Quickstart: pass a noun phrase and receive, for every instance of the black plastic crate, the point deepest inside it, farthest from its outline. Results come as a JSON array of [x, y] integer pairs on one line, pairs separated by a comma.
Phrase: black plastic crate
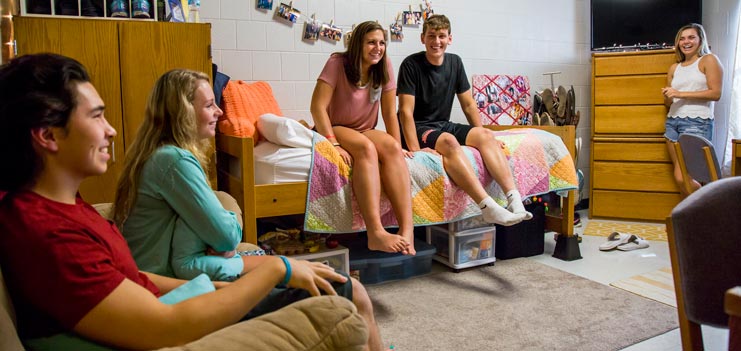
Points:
[[523, 239]]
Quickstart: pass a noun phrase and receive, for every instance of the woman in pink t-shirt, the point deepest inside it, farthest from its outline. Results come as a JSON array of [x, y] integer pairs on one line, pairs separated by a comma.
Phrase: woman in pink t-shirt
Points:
[[344, 106]]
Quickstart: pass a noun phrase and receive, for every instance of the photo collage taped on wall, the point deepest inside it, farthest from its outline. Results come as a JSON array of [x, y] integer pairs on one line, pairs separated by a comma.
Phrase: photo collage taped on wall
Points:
[[288, 12], [265, 4], [314, 29]]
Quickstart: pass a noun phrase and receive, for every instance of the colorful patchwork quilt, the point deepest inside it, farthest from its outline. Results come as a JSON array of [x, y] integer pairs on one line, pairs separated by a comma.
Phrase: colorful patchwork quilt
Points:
[[539, 161], [502, 100]]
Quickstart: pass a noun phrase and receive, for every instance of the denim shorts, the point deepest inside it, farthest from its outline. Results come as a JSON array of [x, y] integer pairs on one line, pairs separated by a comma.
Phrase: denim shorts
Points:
[[691, 125]]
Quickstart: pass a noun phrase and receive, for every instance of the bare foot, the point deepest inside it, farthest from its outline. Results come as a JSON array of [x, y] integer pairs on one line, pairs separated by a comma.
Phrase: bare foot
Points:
[[386, 242], [409, 238]]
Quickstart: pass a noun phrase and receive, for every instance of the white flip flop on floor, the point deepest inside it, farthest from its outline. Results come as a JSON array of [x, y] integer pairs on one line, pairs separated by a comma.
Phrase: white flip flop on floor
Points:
[[614, 240], [635, 243]]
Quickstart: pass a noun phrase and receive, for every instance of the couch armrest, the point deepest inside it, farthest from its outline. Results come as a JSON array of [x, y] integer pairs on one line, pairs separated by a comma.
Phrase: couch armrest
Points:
[[317, 324], [8, 335]]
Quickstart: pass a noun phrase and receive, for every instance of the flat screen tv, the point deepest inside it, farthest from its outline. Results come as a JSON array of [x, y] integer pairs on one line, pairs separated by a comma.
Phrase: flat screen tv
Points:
[[642, 24]]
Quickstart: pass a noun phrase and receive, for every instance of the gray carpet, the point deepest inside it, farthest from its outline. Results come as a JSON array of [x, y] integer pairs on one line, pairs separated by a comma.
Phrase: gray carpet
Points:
[[515, 305]]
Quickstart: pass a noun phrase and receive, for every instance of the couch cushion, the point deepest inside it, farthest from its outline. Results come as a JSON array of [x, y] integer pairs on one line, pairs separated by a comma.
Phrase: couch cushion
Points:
[[317, 323], [243, 104], [105, 210], [230, 204]]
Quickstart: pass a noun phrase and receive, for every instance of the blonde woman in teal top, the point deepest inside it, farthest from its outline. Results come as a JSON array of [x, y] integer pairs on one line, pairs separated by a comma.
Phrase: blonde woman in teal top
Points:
[[174, 197], [165, 207]]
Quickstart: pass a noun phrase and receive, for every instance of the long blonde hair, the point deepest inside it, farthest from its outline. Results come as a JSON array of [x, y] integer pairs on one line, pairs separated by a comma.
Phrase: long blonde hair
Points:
[[704, 47], [170, 119]]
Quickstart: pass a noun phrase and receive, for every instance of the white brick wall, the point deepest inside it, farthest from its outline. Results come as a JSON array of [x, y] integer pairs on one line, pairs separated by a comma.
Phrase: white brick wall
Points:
[[527, 37], [721, 22]]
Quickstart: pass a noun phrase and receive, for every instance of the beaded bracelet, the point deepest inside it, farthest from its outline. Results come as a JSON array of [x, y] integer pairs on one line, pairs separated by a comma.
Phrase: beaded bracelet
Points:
[[330, 136], [287, 278]]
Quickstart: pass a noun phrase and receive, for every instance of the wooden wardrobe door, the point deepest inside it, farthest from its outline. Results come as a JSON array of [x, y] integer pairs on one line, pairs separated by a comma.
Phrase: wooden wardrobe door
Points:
[[95, 44], [148, 50]]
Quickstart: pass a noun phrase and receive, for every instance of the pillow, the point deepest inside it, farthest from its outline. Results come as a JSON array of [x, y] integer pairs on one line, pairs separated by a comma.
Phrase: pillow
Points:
[[284, 131], [196, 286], [314, 323], [243, 103]]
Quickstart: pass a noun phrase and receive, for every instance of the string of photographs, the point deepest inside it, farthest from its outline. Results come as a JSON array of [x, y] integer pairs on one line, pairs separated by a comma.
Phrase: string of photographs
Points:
[[315, 29]]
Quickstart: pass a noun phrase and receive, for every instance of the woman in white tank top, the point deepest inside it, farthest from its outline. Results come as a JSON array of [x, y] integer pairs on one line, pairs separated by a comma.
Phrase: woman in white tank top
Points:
[[694, 83]]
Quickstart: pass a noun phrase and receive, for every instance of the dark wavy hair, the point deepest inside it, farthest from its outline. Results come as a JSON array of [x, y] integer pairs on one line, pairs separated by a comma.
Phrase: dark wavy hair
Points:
[[353, 57], [36, 91]]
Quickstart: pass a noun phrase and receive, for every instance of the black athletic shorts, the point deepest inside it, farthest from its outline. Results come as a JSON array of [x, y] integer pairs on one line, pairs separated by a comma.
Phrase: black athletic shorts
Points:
[[427, 134]]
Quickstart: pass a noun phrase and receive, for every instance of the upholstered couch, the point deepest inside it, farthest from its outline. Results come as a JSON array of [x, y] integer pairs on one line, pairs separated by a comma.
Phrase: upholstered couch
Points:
[[317, 323]]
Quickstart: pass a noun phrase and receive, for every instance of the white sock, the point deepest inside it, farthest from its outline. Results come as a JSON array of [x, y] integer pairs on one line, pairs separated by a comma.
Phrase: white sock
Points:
[[493, 213], [515, 204]]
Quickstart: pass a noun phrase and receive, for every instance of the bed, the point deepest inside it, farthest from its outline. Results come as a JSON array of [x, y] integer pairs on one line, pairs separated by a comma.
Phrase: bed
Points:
[[246, 169], [236, 157]]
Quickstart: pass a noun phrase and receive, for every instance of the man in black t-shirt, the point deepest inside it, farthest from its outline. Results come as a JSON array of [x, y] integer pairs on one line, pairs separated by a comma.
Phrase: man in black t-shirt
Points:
[[427, 83]]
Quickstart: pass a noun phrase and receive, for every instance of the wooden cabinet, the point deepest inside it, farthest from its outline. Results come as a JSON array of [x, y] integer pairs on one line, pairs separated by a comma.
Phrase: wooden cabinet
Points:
[[124, 59], [631, 172]]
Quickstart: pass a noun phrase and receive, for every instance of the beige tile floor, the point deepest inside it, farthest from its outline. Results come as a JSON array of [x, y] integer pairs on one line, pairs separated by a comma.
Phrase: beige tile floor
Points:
[[611, 266]]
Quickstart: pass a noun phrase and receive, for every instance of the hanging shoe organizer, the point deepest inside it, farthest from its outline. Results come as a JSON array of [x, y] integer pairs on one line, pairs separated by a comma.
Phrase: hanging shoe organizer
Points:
[[555, 106], [144, 9]]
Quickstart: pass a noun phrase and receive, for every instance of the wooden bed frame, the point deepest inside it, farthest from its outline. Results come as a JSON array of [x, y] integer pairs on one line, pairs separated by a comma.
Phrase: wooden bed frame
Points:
[[260, 201]]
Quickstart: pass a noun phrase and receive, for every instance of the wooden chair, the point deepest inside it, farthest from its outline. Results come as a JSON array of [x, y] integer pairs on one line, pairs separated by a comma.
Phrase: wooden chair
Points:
[[697, 160], [733, 308], [703, 232]]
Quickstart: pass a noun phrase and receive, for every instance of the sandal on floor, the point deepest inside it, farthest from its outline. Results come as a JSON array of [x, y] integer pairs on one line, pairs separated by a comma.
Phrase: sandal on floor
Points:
[[614, 240], [635, 243]]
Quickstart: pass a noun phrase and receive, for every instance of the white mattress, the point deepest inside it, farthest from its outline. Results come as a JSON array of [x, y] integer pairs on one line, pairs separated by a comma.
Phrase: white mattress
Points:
[[275, 164]]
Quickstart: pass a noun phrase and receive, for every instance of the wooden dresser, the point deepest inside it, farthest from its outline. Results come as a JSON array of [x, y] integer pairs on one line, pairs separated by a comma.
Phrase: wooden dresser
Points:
[[631, 172]]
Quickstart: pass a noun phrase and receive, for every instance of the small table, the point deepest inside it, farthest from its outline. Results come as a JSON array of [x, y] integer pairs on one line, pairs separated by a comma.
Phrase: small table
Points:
[[736, 160]]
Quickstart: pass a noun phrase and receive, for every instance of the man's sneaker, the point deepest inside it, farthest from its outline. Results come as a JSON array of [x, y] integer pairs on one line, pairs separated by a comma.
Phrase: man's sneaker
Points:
[[88, 9], [140, 9], [40, 7], [67, 8], [118, 9]]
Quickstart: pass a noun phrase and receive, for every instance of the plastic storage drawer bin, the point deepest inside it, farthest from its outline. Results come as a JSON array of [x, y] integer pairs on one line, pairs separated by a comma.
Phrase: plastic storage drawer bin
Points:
[[463, 249], [337, 258], [373, 267], [468, 223]]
